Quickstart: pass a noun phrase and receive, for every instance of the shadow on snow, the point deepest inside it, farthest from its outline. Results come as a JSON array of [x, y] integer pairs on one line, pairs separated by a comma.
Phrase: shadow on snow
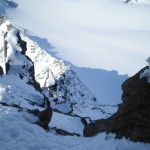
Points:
[[105, 85]]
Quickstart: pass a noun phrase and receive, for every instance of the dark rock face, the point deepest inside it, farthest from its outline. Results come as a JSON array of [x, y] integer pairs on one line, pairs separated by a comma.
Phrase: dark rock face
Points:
[[127, 1], [11, 3], [1, 71], [132, 119], [44, 117], [65, 133]]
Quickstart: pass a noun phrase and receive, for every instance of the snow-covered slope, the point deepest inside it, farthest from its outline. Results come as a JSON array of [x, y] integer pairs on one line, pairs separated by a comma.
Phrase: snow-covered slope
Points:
[[32, 81], [32, 78], [24, 55], [96, 36], [16, 132], [90, 33]]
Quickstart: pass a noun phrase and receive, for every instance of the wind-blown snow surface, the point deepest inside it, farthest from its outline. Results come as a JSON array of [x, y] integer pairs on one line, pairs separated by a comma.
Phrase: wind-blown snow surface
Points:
[[106, 34], [92, 35], [18, 133]]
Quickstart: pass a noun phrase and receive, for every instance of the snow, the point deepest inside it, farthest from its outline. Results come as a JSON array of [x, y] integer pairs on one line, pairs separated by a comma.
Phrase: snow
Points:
[[67, 123], [3, 29], [13, 90], [146, 72], [148, 60], [94, 112], [105, 85], [63, 107], [16, 132], [97, 37], [47, 68], [90, 33], [94, 35]]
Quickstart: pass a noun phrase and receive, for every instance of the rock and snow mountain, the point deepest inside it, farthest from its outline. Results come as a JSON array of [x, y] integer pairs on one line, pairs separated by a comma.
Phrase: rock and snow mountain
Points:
[[32, 79], [32, 84], [99, 38], [132, 120]]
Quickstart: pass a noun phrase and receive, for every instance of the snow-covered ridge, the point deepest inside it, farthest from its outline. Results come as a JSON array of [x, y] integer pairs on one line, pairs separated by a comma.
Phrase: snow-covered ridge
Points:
[[47, 68], [32, 79], [48, 71]]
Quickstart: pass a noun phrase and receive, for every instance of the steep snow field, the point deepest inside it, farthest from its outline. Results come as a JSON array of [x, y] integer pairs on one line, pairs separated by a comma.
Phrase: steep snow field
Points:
[[96, 36], [105, 34]]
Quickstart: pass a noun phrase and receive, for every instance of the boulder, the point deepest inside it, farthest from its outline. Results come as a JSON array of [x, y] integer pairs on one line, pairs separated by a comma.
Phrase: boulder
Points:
[[44, 117]]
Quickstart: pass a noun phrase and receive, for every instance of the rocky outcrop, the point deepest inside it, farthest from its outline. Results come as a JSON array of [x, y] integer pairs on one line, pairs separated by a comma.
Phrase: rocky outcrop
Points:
[[132, 119], [1, 71], [44, 117], [127, 1], [65, 133]]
